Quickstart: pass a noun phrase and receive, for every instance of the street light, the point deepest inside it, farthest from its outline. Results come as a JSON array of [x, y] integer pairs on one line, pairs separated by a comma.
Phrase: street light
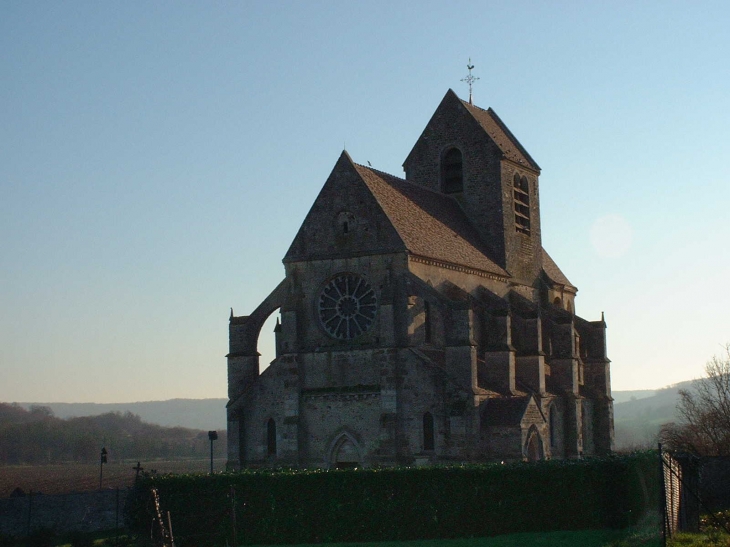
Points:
[[212, 435], [102, 461]]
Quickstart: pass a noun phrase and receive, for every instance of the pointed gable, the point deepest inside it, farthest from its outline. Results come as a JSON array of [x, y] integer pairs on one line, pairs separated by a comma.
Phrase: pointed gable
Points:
[[345, 220], [387, 215], [486, 120]]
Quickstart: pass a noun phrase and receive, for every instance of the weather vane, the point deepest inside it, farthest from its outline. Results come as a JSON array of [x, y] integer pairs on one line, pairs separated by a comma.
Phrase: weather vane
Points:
[[470, 79]]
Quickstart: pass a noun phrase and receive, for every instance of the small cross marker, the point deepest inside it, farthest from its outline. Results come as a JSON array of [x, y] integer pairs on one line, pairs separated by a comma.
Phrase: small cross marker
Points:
[[137, 468]]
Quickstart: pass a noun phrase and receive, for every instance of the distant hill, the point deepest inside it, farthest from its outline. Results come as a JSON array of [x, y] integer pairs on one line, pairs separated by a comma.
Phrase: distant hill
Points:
[[637, 421], [623, 396], [638, 414], [37, 436], [205, 414]]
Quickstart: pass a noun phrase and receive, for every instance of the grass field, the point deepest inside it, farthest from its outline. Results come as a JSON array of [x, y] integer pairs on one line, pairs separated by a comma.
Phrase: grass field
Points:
[[80, 477], [585, 538]]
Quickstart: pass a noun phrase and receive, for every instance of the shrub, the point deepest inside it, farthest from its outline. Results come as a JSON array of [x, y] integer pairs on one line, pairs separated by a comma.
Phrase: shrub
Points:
[[42, 537], [308, 506], [80, 539]]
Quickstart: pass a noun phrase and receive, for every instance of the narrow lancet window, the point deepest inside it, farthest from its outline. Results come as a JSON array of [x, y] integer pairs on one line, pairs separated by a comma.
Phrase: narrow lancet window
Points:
[[427, 322], [452, 171], [522, 204], [428, 438], [271, 437]]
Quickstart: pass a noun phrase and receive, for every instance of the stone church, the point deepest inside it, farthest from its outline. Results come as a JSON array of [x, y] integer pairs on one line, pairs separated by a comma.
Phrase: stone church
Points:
[[422, 321]]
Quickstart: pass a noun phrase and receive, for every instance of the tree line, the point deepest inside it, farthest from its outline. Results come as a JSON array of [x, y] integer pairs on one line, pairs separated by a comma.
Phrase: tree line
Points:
[[36, 436], [703, 428]]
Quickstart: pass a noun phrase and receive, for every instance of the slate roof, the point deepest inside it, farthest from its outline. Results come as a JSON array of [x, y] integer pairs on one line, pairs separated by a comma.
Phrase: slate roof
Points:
[[504, 411], [553, 272], [501, 135], [430, 224]]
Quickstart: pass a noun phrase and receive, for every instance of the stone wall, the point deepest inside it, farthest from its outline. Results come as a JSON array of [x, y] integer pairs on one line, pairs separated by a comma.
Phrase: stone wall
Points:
[[80, 511]]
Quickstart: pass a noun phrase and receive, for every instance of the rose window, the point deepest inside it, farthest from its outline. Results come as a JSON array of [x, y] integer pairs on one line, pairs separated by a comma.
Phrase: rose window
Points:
[[347, 306]]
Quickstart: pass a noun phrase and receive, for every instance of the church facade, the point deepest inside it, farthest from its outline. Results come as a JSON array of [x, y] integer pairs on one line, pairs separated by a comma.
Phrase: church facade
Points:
[[422, 321]]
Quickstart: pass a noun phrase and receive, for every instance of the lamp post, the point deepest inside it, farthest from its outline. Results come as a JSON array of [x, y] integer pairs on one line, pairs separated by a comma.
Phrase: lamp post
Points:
[[102, 461], [212, 435]]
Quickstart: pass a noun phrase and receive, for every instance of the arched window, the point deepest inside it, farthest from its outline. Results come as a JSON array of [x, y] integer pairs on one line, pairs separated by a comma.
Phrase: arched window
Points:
[[522, 204], [558, 302], [452, 171], [271, 437], [428, 438]]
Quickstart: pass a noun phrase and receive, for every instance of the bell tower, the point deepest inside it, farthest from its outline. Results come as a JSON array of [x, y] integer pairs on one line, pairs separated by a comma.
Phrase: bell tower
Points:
[[468, 154]]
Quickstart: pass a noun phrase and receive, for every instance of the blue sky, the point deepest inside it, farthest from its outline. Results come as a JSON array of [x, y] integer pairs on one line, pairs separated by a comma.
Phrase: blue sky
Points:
[[159, 157]]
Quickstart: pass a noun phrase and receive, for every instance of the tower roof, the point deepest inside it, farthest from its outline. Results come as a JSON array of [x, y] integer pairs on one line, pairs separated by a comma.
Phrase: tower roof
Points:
[[501, 135], [553, 272], [493, 126]]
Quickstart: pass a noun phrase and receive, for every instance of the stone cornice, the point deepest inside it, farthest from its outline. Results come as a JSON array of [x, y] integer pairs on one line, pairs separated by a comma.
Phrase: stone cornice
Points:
[[521, 166], [456, 267], [339, 396]]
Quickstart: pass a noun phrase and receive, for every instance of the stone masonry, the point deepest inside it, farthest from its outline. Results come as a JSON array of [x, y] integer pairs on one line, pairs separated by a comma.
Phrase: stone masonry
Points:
[[422, 321]]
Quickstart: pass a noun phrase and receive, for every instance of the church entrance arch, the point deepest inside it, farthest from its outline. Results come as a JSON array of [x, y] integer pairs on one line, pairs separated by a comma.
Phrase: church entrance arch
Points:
[[534, 448], [345, 452]]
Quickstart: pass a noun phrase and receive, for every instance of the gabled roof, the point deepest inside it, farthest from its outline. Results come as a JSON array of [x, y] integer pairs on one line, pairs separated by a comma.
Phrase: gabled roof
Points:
[[501, 135], [504, 411], [430, 224], [492, 125], [553, 272]]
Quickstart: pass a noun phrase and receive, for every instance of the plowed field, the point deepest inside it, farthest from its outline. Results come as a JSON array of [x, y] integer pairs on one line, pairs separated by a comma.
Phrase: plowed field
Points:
[[78, 477]]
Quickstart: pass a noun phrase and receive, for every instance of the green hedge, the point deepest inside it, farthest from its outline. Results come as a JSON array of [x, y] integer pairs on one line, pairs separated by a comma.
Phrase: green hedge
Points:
[[309, 506]]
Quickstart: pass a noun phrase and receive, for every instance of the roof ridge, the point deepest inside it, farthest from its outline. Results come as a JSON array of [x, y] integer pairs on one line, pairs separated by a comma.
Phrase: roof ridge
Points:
[[511, 135], [501, 126], [410, 183], [371, 168]]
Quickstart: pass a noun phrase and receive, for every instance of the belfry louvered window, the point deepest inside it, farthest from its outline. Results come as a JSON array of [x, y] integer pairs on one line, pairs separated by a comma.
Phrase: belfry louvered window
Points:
[[522, 204], [452, 171]]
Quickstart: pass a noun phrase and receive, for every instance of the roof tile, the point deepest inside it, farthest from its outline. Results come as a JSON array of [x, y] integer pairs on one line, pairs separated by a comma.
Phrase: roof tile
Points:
[[430, 224]]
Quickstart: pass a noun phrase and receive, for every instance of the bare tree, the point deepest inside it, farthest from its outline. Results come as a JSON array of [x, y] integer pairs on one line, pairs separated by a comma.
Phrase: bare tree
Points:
[[704, 413]]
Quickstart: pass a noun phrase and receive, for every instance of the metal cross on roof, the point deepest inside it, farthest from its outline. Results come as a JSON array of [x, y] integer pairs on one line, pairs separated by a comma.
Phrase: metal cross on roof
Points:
[[470, 79]]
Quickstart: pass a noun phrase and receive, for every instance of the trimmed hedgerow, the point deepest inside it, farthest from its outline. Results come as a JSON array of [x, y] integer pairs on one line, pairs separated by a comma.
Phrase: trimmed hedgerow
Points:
[[310, 506]]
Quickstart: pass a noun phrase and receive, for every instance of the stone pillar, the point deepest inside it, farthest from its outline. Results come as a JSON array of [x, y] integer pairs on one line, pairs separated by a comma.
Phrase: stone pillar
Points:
[[243, 370], [233, 462], [573, 430], [461, 351], [530, 366], [499, 358]]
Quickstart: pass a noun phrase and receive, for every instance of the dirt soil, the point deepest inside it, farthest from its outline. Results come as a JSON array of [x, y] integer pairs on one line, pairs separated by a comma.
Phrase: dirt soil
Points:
[[81, 477]]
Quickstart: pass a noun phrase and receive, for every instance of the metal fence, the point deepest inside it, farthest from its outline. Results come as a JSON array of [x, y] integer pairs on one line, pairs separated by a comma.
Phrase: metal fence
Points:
[[75, 512]]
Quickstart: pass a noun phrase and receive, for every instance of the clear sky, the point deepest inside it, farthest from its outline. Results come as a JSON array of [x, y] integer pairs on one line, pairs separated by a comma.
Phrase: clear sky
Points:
[[157, 159]]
